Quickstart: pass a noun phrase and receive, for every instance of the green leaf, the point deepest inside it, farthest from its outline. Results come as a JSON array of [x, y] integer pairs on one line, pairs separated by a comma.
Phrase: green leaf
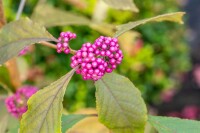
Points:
[[120, 105], [8, 124], [45, 108], [174, 17], [174, 125], [13, 125], [69, 120], [3, 116], [60, 17], [18, 34], [3, 123], [122, 4]]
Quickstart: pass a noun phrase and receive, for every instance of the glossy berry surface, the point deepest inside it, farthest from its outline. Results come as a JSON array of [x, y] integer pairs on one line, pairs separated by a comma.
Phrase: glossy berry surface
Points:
[[96, 59], [63, 42]]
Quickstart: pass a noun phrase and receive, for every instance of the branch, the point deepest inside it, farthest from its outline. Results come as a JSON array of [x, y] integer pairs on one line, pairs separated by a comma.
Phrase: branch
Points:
[[20, 9], [48, 44], [51, 45]]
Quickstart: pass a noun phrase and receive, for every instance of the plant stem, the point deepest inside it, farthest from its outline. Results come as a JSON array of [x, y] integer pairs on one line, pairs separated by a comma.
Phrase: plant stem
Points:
[[51, 45], [100, 12], [72, 51], [48, 44], [20, 9]]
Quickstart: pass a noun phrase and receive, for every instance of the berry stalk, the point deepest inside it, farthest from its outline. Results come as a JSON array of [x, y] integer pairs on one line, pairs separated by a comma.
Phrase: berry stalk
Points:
[[51, 45]]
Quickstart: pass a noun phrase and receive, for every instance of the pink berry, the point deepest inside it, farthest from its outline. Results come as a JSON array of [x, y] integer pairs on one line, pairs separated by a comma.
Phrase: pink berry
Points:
[[90, 55], [84, 48], [84, 54], [112, 49], [94, 64], [108, 70], [90, 49], [59, 51], [89, 66], [108, 53], [63, 40], [66, 51]]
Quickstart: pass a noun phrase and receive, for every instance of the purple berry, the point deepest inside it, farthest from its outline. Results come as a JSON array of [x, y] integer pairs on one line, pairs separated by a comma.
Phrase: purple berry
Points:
[[64, 39], [94, 64], [84, 54]]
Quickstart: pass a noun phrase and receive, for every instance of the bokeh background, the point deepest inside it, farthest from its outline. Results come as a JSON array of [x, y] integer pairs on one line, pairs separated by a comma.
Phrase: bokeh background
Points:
[[161, 59]]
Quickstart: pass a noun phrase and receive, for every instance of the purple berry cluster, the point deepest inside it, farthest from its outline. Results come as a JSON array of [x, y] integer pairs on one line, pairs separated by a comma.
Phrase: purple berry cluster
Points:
[[63, 42], [96, 59], [17, 103]]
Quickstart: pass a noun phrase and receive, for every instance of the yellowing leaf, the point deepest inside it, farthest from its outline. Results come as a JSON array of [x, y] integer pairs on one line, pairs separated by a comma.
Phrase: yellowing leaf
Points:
[[89, 124], [120, 105], [105, 29], [18, 34], [45, 108], [50, 16], [69, 120], [127, 41], [174, 17], [122, 4]]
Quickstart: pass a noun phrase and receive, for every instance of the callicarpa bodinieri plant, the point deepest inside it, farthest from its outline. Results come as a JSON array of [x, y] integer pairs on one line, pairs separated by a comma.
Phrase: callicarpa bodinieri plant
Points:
[[119, 104]]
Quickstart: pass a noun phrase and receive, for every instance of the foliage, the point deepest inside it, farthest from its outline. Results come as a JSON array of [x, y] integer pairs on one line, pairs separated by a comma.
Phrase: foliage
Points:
[[60, 17], [160, 70], [172, 125], [45, 108], [120, 106], [14, 37], [176, 17], [119, 4], [69, 120]]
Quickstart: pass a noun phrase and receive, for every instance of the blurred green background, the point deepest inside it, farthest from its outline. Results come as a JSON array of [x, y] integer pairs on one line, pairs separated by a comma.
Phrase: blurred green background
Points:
[[156, 54]]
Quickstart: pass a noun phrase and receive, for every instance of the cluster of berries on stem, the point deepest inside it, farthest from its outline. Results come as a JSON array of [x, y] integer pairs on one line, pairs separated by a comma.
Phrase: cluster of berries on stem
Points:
[[63, 42], [17, 103], [96, 59], [93, 60]]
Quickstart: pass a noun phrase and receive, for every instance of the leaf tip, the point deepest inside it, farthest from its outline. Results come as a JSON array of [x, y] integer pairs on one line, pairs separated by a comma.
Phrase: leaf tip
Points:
[[181, 15], [135, 9]]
